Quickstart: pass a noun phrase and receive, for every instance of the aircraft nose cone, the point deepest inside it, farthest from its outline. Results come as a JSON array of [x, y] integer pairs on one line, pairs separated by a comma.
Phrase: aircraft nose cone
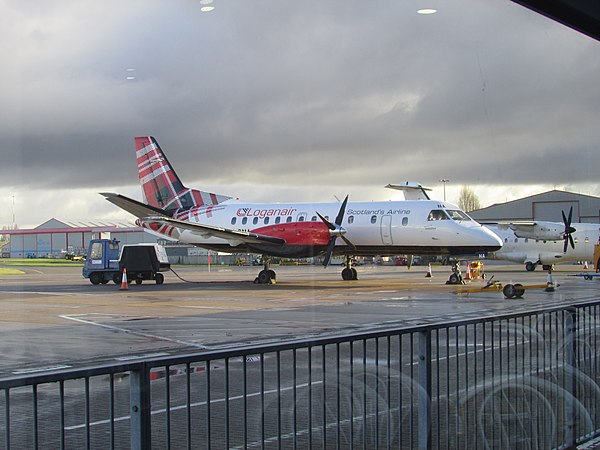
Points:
[[491, 240]]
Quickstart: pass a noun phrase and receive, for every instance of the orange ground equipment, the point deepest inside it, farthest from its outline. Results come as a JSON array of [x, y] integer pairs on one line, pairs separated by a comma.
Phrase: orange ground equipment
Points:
[[476, 270]]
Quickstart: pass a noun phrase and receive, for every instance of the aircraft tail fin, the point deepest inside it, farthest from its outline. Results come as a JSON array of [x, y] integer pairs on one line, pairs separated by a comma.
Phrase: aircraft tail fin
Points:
[[161, 186]]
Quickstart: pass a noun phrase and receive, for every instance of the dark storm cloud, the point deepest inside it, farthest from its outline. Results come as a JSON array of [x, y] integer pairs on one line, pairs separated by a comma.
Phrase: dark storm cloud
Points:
[[342, 92]]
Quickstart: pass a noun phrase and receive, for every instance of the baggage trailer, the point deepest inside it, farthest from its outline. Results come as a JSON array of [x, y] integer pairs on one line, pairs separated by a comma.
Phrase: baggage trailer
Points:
[[144, 262], [105, 262]]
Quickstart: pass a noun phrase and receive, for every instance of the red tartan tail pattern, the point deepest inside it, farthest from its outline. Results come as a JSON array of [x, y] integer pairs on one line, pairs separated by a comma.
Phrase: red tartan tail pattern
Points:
[[161, 186]]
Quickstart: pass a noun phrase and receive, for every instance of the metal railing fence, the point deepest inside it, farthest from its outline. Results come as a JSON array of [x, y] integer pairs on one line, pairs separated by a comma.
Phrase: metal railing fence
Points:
[[527, 380]]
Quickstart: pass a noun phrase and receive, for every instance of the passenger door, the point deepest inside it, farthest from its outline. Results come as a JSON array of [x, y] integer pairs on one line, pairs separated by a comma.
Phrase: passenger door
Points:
[[386, 230]]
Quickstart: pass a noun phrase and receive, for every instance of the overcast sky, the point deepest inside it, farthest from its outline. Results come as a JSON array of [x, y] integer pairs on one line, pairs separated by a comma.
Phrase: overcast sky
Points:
[[276, 100]]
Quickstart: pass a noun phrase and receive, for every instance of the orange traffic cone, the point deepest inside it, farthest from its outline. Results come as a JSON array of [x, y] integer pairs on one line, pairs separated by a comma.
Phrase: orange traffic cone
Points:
[[428, 274], [468, 274], [124, 284]]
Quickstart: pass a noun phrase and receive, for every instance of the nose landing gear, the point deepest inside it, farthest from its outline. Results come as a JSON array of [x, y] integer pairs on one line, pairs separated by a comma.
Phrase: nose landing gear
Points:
[[349, 273]]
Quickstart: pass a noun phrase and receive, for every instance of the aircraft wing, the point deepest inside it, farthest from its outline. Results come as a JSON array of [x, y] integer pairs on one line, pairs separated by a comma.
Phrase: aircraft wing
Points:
[[541, 230], [515, 226], [234, 237], [134, 207]]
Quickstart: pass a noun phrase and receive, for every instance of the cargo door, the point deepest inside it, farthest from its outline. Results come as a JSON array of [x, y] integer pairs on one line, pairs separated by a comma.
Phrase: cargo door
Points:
[[386, 230]]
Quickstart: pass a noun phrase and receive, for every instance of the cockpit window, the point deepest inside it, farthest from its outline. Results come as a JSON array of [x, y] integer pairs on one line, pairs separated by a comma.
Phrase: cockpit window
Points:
[[457, 214], [437, 214]]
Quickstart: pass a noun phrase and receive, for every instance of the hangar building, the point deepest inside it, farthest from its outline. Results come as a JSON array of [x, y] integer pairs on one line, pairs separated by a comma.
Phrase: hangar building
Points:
[[54, 238], [544, 206]]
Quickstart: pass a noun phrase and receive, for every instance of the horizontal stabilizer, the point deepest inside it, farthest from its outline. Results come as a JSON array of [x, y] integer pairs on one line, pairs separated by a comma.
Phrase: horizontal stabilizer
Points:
[[134, 207], [411, 190]]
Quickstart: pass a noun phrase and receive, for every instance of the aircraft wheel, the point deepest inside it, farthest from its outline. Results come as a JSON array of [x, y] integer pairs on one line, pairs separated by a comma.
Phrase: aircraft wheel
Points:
[[453, 279], [138, 281], [264, 277], [347, 274], [104, 281], [530, 267], [354, 273], [95, 278], [519, 290], [159, 278], [272, 275], [117, 277]]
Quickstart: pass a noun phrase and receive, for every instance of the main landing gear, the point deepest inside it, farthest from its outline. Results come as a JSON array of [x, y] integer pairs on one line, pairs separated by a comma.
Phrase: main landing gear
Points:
[[265, 276], [349, 273]]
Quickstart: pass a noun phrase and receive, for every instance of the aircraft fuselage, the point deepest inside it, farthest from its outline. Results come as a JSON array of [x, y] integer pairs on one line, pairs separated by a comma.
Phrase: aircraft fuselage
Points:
[[375, 228]]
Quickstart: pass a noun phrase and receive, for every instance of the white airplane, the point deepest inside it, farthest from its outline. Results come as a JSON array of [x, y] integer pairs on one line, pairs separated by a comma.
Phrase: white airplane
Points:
[[546, 243], [296, 230]]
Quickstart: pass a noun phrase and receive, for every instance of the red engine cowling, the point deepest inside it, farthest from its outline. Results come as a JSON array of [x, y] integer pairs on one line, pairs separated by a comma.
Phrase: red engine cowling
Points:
[[299, 233]]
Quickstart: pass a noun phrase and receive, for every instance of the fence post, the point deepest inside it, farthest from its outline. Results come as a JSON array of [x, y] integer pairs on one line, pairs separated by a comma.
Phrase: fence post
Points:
[[139, 403], [425, 390], [570, 374]]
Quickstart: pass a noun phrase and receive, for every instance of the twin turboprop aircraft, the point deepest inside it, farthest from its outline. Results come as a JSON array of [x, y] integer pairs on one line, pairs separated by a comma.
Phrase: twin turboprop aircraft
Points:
[[296, 230], [546, 243]]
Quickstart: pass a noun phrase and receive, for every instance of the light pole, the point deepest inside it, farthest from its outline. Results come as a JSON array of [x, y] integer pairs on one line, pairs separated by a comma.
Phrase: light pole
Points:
[[13, 212], [444, 180]]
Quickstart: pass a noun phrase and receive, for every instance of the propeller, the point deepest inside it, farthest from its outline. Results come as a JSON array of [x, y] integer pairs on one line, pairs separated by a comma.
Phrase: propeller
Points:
[[335, 231], [567, 234]]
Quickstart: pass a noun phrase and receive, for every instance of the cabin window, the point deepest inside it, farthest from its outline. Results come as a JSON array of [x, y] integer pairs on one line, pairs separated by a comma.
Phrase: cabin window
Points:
[[266, 220], [437, 214], [404, 221], [289, 219], [506, 240], [277, 219], [255, 220], [516, 240], [373, 219], [313, 219], [244, 221], [526, 240], [233, 220], [350, 219]]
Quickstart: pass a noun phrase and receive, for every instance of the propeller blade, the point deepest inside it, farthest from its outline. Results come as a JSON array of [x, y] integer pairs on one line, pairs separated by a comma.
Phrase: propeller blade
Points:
[[567, 234], [345, 239], [326, 222], [340, 216], [329, 252], [571, 242]]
